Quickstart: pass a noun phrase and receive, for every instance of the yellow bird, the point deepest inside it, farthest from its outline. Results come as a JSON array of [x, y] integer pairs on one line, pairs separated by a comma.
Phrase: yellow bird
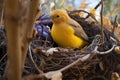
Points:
[[66, 32]]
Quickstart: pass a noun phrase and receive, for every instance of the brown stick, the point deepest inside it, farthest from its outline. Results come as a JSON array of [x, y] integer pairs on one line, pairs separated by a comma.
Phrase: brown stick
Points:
[[101, 16], [19, 20], [1, 8], [1, 13], [94, 8], [13, 42], [28, 33], [114, 24]]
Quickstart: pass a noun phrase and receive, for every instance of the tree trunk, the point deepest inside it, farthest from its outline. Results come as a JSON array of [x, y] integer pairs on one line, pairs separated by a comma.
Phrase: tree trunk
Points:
[[1, 12], [19, 20], [1, 7]]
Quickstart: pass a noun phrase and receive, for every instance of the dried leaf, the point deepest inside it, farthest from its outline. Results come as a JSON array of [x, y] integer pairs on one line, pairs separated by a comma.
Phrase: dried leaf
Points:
[[37, 49], [93, 11], [57, 76], [115, 76], [51, 51], [117, 49], [54, 75]]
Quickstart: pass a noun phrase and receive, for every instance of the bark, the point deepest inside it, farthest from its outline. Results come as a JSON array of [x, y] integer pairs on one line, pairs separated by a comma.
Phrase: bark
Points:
[[28, 35], [1, 7], [13, 42], [19, 21], [1, 13]]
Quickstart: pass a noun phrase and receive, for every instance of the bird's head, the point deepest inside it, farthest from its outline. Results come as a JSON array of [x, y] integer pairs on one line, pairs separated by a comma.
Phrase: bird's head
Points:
[[59, 16]]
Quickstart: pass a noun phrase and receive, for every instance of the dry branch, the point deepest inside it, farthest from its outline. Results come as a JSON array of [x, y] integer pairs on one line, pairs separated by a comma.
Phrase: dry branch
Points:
[[19, 20], [114, 24], [101, 18], [13, 69], [28, 30]]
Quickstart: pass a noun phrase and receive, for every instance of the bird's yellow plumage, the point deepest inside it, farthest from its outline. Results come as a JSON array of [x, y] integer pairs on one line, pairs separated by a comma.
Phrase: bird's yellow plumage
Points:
[[66, 32]]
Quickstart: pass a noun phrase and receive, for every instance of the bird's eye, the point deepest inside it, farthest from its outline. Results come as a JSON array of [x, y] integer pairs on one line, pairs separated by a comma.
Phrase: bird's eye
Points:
[[57, 16]]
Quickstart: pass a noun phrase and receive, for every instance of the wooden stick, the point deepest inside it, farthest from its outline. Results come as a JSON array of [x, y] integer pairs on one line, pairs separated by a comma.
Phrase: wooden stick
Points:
[[19, 21], [28, 31], [101, 16], [13, 40], [114, 24]]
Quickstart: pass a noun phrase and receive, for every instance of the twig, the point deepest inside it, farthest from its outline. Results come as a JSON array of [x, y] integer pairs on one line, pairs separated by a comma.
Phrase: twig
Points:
[[1, 20], [97, 5], [76, 62], [105, 52], [62, 3], [55, 4], [30, 18], [108, 51], [30, 54], [115, 24], [49, 75], [3, 57], [89, 14], [95, 8], [101, 16]]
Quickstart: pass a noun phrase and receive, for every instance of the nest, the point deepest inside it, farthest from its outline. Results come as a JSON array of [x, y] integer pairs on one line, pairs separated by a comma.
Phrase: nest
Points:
[[94, 62]]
